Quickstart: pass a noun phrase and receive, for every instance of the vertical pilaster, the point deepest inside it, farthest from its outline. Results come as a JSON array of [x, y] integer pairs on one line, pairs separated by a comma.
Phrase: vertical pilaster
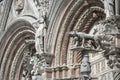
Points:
[[70, 72], [77, 68], [64, 71], [57, 72], [53, 74]]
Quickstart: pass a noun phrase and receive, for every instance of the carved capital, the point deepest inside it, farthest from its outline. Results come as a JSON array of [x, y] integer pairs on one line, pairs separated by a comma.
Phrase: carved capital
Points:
[[64, 67]]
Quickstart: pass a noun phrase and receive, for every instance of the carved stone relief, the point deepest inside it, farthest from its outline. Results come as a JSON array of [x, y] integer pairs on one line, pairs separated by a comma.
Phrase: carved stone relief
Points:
[[103, 40], [19, 5], [39, 35], [109, 7], [32, 66], [112, 8]]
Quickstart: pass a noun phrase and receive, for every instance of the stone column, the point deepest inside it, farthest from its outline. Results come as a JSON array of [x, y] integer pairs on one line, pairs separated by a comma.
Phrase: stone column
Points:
[[77, 67], [64, 71], [70, 72], [57, 72], [53, 74]]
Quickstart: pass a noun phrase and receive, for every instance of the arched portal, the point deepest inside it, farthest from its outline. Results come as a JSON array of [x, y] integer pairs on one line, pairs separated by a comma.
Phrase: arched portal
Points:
[[13, 45], [77, 15]]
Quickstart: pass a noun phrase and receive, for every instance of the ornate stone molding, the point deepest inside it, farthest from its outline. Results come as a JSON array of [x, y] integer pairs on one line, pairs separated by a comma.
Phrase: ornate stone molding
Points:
[[7, 7], [62, 33]]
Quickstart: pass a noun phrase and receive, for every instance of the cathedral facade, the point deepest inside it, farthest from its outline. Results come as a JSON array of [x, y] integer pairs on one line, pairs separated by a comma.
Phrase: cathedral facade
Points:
[[59, 40]]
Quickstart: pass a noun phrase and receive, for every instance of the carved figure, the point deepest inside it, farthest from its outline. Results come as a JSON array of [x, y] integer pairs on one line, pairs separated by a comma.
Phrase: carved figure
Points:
[[112, 7], [85, 65], [39, 37], [85, 40], [106, 33], [109, 7], [19, 6]]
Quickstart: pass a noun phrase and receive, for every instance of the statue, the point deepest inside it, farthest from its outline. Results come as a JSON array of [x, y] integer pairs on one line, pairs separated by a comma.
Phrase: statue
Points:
[[85, 68], [109, 8], [39, 36], [39, 39], [19, 6], [86, 40], [112, 7]]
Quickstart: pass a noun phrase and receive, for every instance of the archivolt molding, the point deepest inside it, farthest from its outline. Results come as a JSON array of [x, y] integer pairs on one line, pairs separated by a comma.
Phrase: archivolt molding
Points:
[[14, 37], [15, 61], [64, 25], [11, 32], [91, 13], [85, 21], [14, 47], [77, 14]]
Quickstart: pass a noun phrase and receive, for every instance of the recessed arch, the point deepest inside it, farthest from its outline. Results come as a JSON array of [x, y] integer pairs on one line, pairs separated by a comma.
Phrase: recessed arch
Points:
[[12, 46], [78, 15]]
